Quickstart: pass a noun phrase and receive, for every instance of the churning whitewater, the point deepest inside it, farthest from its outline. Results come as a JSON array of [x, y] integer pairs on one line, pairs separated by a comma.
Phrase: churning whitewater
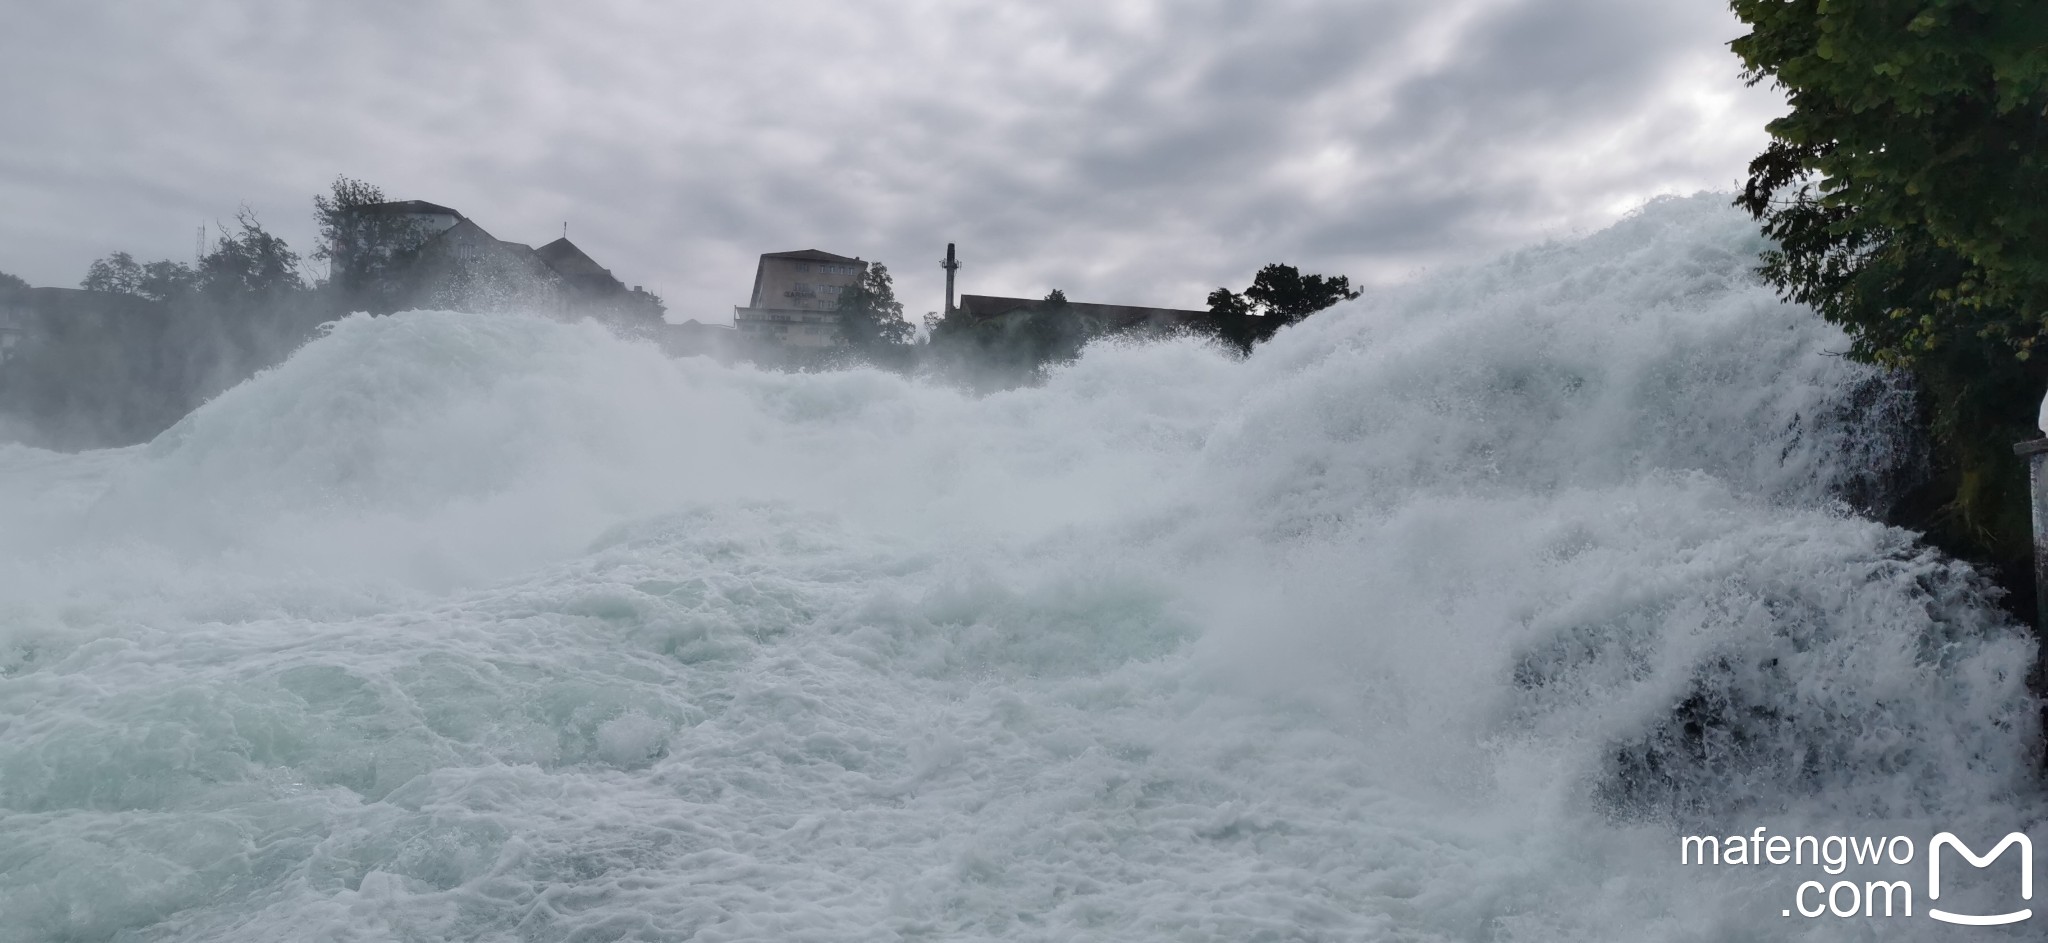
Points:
[[1441, 617]]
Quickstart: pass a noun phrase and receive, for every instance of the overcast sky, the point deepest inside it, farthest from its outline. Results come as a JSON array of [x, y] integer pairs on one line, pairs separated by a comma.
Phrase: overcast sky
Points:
[[1126, 151]]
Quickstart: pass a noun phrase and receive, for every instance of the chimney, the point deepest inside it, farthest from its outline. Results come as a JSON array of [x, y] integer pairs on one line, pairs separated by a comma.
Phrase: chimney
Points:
[[951, 265]]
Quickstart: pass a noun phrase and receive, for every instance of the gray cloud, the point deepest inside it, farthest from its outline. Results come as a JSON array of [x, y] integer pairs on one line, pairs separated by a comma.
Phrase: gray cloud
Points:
[[1123, 151]]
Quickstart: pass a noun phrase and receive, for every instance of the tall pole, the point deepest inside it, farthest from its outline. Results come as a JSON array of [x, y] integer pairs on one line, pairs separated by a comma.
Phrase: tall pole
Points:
[[2036, 454], [951, 265]]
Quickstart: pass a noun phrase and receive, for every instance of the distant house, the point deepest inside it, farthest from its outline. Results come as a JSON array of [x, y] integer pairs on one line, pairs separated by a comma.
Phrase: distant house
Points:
[[461, 266], [15, 317], [591, 290], [693, 337], [576, 268], [86, 369], [979, 309], [64, 316], [431, 217], [796, 297]]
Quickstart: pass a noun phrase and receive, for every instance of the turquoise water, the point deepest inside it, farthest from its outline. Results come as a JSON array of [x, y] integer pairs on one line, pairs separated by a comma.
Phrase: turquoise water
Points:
[[490, 627]]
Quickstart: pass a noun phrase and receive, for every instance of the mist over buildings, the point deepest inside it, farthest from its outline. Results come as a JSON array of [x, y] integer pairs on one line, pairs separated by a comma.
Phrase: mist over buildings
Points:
[[1127, 152], [1135, 153]]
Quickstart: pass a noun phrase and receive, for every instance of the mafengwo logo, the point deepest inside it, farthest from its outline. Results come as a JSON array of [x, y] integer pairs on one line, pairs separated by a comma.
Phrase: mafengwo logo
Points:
[[1834, 853], [1949, 840]]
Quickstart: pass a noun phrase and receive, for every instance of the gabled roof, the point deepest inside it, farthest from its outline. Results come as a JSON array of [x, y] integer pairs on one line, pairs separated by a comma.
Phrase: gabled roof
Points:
[[465, 230], [563, 256], [410, 206], [977, 307], [808, 255], [71, 301], [467, 233]]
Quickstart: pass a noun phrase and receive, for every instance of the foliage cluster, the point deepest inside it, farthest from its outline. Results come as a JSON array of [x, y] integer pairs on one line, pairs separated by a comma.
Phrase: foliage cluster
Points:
[[119, 370], [1017, 347], [1904, 185], [870, 317], [1278, 296], [116, 371], [367, 252], [1903, 192]]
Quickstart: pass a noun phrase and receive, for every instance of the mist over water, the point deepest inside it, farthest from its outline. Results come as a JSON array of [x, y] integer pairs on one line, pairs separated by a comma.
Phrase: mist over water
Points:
[[1441, 617]]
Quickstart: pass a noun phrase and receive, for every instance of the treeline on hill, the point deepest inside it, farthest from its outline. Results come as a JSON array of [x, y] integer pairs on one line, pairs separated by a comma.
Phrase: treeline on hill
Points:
[[993, 353], [162, 337], [1904, 194], [120, 367], [149, 341]]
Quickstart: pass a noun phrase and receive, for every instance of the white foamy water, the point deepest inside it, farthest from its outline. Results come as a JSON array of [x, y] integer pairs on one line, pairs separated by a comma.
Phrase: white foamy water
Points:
[[1440, 618]]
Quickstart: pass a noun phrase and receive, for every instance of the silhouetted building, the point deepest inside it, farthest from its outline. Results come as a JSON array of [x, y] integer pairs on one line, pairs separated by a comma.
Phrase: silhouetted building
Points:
[[693, 337], [457, 265], [796, 297], [14, 322], [87, 369], [1101, 318], [577, 268], [430, 217], [465, 268], [43, 317]]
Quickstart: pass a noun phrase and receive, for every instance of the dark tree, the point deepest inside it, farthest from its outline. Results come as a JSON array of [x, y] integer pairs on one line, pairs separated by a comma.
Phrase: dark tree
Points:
[[1226, 303], [1014, 347], [251, 264], [1903, 186], [1283, 293], [1279, 295], [1232, 321], [117, 368], [118, 273], [870, 317], [1903, 194], [1053, 332], [12, 281], [367, 251], [162, 280]]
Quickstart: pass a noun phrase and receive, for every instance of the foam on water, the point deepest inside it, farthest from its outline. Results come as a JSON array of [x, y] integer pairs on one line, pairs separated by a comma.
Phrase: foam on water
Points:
[[1439, 618]]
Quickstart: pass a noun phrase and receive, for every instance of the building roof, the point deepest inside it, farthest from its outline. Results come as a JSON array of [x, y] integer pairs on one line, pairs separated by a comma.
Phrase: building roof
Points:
[[466, 235], [72, 302], [978, 307], [410, 206], [563, 256], [808, 255], [694, 325], [468, 230]]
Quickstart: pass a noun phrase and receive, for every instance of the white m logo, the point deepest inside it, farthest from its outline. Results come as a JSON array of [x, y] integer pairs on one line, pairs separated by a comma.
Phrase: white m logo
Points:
[[1977, 861]]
